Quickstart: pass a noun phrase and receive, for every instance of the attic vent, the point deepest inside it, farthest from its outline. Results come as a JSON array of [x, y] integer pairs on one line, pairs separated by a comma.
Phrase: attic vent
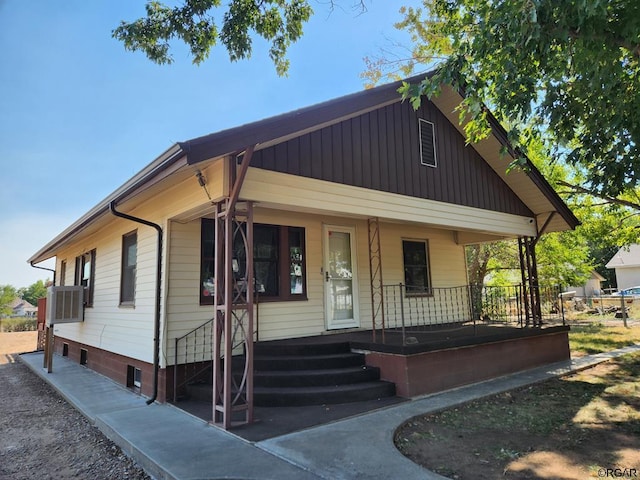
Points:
[[65, 304], [427, 143]]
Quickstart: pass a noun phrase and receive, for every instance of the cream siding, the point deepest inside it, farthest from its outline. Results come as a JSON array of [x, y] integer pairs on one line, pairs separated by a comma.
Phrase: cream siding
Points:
[[178, 208], [306, 317], [318, 195], [127, 330]]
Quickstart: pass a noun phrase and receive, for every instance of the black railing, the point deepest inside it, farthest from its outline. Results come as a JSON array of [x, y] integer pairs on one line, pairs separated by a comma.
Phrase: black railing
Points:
[[408, 308], [193, 356]]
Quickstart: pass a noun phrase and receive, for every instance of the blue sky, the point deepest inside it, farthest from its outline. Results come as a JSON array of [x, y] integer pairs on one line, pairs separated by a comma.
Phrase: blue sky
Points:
[[80, 115]]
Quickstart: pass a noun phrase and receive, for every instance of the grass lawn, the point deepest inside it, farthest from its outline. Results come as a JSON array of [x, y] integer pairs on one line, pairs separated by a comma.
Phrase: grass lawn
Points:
[[597, 337], [584, 425]]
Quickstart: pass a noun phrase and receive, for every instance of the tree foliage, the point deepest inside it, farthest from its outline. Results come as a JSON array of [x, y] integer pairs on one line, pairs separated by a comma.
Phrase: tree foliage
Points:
[[7, 295], [279, 22], [570, 69], [34, 292]]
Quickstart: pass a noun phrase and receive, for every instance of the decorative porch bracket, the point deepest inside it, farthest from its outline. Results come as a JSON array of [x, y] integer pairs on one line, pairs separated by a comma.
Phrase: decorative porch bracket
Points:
[[375, 273], [233, 304], [530, 286]]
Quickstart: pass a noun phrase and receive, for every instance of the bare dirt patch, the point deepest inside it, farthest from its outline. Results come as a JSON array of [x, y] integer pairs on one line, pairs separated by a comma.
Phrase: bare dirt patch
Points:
[[14, 343], [585, 425], [42, 435]]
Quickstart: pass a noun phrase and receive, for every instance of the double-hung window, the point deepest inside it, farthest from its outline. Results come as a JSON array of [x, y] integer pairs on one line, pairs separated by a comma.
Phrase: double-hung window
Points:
[[63, 273], [85, 274], [128, 268], [417, 277]]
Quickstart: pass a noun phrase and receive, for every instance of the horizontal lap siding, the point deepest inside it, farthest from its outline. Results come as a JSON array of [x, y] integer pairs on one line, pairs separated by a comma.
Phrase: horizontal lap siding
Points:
[[124, 330], [449, 303], [380, 150], [305, 317]]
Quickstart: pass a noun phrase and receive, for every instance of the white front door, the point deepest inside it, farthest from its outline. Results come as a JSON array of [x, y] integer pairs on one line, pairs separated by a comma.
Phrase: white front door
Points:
[[340, 274]]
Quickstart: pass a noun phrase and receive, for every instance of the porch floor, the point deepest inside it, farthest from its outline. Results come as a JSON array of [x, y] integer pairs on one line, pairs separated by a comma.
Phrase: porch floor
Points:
[[275, 421], [426, 338]]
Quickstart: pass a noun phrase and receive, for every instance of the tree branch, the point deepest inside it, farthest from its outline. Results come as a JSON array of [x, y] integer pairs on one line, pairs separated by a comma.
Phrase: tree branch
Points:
[[586, 191]]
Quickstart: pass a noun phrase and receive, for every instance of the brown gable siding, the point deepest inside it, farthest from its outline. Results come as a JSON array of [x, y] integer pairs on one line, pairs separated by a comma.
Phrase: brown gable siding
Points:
[[380, 150]]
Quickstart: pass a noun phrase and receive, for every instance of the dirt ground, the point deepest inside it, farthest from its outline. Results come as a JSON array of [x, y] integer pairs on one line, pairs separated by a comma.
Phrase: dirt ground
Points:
[[41, 435], [592, 430], [585, 425]]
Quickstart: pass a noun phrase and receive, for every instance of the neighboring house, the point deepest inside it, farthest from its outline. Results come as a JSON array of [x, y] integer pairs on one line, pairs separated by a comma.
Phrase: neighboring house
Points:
[[591, 288], [626, 263], [342, 196], [22, 308]]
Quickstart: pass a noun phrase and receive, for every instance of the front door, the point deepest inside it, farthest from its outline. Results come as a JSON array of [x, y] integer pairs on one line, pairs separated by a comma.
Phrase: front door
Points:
[[340, 273]]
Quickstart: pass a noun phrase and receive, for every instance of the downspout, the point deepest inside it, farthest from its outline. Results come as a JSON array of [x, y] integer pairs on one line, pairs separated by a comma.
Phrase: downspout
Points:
[[45, 268], [156, 340]]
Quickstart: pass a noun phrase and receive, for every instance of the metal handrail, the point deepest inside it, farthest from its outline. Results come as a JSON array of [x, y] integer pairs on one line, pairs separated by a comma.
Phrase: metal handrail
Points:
[[196, 372], [413, 308]]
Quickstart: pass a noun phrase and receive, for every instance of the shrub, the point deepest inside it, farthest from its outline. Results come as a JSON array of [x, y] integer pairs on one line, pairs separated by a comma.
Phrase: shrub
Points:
[[18, 324]]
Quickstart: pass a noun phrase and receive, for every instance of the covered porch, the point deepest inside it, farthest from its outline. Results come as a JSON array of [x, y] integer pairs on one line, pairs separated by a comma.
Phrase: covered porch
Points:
[[437, 358]]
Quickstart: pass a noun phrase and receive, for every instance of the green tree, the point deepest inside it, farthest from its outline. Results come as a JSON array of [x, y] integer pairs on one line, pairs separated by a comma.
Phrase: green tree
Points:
[[569, 70], [491, 259], [279, 22], [7, 295], [34, 291]]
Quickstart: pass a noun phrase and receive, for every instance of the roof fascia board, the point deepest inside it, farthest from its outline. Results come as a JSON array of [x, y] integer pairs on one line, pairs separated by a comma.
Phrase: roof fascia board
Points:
[[151, 173]]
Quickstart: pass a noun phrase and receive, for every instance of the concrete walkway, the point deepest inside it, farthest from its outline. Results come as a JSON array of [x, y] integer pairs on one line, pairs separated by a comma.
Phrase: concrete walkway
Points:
[[171, 444]]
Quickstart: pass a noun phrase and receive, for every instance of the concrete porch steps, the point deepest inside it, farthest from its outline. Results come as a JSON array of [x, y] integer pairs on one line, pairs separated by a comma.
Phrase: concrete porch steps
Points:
[[290, 374]]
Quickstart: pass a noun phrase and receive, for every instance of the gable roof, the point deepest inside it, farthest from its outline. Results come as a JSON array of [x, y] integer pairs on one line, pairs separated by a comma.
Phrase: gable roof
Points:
[[18, 303], [549, 209], [625, 257]]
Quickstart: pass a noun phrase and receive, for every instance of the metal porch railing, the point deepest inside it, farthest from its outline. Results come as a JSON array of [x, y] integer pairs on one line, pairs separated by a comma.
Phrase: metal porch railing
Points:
[[193, 356], [408, 309]]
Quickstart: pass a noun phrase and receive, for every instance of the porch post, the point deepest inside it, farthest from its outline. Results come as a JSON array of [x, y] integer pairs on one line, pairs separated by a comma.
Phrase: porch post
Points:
[[233, 305], [375, 275], [530, 286]]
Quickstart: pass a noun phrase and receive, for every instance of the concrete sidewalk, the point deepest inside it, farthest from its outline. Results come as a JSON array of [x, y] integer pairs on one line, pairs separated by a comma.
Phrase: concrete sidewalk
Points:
[[171, 444]]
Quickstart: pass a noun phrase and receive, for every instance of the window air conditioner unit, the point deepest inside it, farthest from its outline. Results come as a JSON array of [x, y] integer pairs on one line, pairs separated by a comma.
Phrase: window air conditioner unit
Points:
[[65, 304]]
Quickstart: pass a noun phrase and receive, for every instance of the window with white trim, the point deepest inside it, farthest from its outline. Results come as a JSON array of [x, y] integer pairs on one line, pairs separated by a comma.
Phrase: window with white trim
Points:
[[85, 274], [128, 268]]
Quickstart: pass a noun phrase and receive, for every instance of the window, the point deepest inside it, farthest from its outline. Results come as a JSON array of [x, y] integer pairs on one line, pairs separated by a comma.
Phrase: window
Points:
[[278, 259], [85, 274], [427, 143], [266, 259], [63, 272], [416, 267], [207, 260], [128, 269]]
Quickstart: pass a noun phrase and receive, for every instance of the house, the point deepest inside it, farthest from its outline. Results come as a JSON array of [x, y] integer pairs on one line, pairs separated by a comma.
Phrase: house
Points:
[[626, 263], [330, 212], [22, 308], [591, 288]]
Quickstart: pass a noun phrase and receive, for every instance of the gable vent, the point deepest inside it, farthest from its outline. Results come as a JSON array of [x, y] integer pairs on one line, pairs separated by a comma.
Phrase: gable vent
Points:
[[427, 143]]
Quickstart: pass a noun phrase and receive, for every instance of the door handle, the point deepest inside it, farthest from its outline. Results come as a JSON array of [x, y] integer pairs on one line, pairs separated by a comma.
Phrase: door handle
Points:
[[326, 274]]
